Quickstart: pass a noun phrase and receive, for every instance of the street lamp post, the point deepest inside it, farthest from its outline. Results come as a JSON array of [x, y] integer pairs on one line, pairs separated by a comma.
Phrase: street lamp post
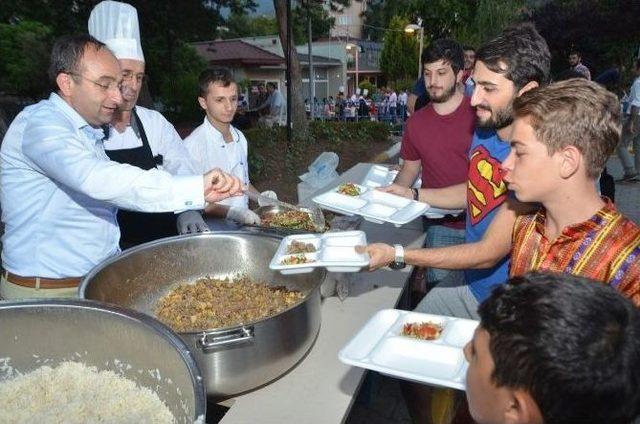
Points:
[[411, 28], [357, 50]]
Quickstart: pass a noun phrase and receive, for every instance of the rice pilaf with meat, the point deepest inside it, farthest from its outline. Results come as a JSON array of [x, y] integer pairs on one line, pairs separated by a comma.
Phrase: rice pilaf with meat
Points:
[[214, 303], [294, 220]]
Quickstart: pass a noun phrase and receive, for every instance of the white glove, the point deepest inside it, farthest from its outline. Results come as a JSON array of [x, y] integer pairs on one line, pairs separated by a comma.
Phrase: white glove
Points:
[[243, 216], [191, 222], [270, 194]]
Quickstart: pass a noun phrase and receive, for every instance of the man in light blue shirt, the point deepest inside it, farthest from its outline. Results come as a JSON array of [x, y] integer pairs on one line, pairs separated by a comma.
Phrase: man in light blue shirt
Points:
[[60, 192]]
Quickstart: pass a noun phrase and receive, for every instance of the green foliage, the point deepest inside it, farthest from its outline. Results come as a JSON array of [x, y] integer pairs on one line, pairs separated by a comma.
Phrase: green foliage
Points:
[[367, 85], [488, 20], [178, 88], [242, 25], [24, 49], [399, 56]]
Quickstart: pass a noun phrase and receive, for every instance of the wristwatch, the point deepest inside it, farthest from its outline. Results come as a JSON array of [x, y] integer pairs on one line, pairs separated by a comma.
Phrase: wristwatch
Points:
[[398, 261]]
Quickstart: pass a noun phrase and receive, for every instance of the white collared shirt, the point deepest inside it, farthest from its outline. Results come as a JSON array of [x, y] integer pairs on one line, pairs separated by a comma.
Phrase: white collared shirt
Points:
[[59, 193], [163, 140], [208, 150]]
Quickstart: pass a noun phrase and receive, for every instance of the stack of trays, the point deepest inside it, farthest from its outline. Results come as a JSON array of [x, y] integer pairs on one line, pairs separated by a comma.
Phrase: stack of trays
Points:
[[381, 176], [372, 205], [333, 251], [380, 346]]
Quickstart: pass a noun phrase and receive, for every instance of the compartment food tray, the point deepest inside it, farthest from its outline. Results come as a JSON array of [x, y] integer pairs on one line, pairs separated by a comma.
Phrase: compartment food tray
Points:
[[380, 346], [372, 205], [334, 251], [381, 176]]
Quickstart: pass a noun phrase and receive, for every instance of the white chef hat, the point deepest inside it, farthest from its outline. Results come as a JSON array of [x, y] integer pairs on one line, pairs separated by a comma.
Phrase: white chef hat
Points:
[[116, 25]]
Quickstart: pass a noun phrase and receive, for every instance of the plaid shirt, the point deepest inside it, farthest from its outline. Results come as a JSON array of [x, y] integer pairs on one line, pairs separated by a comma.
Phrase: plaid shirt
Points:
[[606, 248]]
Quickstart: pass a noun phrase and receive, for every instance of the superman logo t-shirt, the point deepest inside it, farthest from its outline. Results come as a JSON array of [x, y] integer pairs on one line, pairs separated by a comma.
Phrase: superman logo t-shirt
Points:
[[486, 191]]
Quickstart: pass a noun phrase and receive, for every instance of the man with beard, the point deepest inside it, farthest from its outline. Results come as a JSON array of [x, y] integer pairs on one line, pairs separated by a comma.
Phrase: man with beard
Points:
[[437, 140], [511, 64], [138, 136]]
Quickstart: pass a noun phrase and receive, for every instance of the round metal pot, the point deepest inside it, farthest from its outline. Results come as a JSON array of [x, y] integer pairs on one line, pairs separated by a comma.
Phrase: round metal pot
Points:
[[235, 359], [47, 332]]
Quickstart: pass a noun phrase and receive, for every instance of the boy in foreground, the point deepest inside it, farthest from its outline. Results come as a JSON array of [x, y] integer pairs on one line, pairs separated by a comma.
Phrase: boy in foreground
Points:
[[554, 348]]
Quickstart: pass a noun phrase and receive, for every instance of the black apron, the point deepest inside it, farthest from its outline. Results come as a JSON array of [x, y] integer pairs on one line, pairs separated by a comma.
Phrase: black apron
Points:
[[140, 227]]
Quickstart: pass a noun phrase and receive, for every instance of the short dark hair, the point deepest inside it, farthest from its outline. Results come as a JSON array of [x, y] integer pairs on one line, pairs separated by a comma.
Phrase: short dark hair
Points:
[[576, 52], [444, 49], [272, 85], [67, 52], [519, 53], [572, 343], [221, 76]]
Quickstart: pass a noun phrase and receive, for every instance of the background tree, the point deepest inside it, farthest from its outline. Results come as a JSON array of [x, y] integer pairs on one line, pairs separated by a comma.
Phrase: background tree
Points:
[[399, 55], [24, 48]]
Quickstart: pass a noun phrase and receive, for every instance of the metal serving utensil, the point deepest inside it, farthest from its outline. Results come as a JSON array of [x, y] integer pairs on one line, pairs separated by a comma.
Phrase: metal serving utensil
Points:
[[317, 217]]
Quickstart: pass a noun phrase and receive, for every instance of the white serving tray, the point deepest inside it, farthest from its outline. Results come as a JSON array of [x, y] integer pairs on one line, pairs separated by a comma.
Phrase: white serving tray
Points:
[[372, 205], [381, 176], [379, 346], [334, 251]]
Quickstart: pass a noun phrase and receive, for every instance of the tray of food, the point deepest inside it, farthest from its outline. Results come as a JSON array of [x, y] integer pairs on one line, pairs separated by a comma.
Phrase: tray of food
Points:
[[413, 346], [372, 205], [381, 176], [335, 251]]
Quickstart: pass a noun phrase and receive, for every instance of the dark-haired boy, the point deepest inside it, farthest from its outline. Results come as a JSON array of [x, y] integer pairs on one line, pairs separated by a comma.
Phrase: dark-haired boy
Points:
[[217, 143], [554, 348]]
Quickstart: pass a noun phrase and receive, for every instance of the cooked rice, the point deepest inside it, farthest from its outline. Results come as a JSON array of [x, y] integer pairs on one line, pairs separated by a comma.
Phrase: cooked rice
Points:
[[75, 393]]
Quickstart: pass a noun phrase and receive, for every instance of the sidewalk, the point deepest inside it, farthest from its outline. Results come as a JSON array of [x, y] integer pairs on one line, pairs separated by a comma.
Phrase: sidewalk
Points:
[[380, 401]]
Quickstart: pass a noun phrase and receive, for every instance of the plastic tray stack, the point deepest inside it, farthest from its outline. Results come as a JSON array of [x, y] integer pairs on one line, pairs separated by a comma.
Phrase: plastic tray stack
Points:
[[380, 176], [333, 251], [380, 346], [372, 205]]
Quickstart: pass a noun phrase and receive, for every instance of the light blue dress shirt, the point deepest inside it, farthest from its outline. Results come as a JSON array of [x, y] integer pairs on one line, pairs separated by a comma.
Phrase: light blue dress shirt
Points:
[[59, 193]]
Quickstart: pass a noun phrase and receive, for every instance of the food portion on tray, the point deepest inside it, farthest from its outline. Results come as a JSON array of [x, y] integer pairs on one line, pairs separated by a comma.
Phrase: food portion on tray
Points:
[[294, 220], [373, 205], [349, 189], [422, 330], [413, 346], [334, 251], [215, 303]]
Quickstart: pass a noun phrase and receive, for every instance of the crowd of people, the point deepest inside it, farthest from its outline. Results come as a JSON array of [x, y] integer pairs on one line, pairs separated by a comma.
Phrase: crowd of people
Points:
[[546, 263], [522, 156]]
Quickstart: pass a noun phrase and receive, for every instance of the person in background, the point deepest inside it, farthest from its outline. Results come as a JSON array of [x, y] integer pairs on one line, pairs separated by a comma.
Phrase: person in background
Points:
[[554, 348], [469, 63], [60, 192], [136, 135], [631, 131], [393, 105], [403, 97], [216, 143], [575, 64], [272, 106]]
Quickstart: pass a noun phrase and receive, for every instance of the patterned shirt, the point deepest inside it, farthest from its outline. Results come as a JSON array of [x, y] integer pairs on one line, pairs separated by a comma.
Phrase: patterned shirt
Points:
[[606, 248]]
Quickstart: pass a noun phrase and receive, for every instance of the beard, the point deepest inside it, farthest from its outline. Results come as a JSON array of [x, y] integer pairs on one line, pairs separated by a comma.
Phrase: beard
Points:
[[446, 94], [499, 119]]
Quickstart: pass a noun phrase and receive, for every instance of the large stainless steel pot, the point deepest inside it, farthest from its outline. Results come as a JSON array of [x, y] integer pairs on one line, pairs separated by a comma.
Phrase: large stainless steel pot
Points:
[[142, 349], [233, 360]]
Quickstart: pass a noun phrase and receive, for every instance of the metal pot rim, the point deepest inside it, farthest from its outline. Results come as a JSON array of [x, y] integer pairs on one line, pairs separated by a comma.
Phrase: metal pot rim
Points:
[[96, 269]]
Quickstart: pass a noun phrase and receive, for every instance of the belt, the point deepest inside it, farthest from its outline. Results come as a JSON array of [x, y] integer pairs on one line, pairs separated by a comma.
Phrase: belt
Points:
[[42, 283]]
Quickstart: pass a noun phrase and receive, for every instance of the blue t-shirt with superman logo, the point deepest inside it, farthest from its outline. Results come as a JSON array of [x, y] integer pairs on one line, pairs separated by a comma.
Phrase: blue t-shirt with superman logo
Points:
[[485, 193]]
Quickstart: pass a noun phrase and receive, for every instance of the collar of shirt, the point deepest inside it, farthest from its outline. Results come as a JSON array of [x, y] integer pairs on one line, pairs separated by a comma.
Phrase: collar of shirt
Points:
[[604, 215], [216, 137], [78, 121]]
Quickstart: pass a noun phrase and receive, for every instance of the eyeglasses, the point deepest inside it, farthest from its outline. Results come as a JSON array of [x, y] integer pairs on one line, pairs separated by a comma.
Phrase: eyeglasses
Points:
[[128, 76], [113, 85]]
